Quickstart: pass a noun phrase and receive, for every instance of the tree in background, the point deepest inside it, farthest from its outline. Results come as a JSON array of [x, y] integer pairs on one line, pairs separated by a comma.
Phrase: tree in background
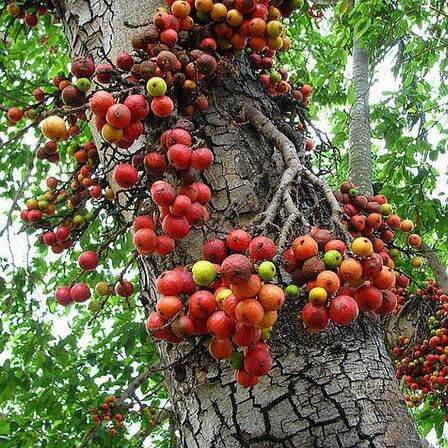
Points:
[[406, 39], [329, 389]]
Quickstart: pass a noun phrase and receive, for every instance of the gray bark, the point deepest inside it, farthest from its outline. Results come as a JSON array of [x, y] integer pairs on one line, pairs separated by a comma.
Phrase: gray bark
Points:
[[336, 389], [360, 156]]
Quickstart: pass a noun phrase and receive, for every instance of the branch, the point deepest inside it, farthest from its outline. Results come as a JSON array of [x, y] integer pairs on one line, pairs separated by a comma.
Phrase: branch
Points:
[[165, 413], [437, 267], [17, 135], [138, 381], [325, 3], [127, 393], [18, 195]]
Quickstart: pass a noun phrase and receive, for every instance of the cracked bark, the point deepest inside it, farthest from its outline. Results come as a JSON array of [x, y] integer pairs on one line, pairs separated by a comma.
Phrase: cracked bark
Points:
[[336, 389]]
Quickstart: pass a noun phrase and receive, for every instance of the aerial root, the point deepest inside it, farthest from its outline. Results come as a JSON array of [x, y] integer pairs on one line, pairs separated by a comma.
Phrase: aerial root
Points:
[[294, 215], [267, 217], [295, 170], [336, 213]]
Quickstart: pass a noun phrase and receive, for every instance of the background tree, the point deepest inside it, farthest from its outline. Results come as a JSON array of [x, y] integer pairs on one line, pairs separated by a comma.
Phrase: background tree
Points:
[[308, 383], [408, 124]]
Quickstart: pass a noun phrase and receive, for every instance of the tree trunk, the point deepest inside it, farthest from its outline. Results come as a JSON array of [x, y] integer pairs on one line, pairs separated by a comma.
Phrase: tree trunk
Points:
[[336, 389], [360, 156]]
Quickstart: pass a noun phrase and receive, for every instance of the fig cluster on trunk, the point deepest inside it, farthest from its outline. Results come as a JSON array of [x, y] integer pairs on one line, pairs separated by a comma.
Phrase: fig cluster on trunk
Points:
[[228, 296]]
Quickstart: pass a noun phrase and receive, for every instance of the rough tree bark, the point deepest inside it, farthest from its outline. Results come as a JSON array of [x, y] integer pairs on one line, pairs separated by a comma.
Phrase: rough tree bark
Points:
[[336, 389]]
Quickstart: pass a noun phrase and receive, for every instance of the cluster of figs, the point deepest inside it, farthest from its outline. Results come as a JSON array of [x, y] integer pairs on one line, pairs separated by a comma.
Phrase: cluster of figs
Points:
[[229, 296], [422, 364]]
